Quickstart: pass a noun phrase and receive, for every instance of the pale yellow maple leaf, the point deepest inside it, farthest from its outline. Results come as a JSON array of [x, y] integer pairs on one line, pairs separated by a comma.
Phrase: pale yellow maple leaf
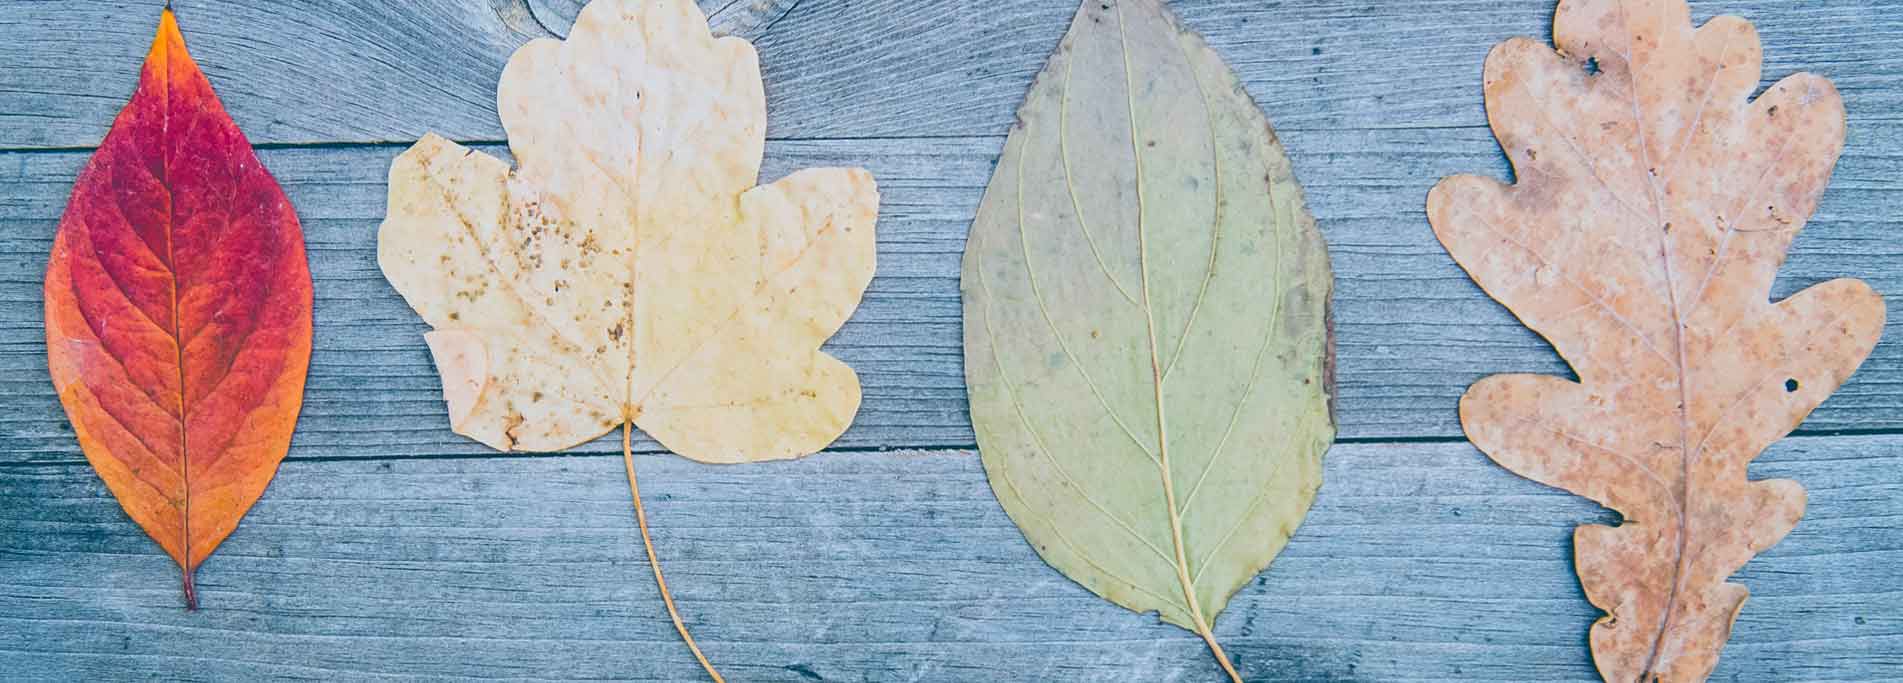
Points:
[[629, 270]]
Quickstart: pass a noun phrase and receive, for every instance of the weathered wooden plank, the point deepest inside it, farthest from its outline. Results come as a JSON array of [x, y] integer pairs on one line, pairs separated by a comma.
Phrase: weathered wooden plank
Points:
[[373, 71], [1419, 562], [1413, 331], [744, 18]]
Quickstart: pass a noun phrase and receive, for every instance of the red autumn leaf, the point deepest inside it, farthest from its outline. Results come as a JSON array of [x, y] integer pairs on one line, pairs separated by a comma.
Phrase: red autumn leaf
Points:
[[178, 311]]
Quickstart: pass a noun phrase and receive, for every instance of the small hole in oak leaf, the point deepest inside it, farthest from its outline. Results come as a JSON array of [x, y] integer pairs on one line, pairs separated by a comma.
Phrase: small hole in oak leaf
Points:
[[1592, 66], [1790, 386]]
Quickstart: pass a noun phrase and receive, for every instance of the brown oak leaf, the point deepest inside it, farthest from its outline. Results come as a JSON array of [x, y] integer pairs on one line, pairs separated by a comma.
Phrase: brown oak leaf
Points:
[[1655, 201]]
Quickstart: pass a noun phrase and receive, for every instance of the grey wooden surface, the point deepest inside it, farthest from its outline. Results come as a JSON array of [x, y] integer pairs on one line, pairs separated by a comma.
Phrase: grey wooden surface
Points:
[[389, 547]]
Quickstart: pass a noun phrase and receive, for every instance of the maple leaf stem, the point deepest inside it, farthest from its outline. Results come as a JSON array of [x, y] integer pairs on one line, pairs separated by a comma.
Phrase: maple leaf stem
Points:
[[191, 593], [641, 519]]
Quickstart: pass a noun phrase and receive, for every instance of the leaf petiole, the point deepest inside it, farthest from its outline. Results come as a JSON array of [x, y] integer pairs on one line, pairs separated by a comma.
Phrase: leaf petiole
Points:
[[641, 519]]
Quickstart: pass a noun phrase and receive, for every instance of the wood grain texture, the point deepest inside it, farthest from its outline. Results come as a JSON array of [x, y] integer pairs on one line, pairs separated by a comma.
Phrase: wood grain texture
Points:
[[378, 71], [885, 567], [391, 548], [1412, 331], [747, 19]]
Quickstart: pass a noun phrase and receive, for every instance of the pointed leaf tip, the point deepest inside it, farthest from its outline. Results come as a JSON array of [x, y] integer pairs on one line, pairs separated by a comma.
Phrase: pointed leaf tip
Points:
[[167, 40]]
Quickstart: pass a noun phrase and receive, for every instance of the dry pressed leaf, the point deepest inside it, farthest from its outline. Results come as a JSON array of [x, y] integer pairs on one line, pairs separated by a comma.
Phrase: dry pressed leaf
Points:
[[1654, 205], [629, 271], [178, 311], [1146, 336]]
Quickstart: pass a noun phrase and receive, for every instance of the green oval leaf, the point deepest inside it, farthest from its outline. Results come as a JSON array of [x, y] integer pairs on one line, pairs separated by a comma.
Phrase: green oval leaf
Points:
[[1146, 321]]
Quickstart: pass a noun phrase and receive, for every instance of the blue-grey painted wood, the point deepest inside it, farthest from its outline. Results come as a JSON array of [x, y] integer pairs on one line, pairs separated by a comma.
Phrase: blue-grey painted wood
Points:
[[748, 19], [1419, 562], [377, 71], [389, 548]]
